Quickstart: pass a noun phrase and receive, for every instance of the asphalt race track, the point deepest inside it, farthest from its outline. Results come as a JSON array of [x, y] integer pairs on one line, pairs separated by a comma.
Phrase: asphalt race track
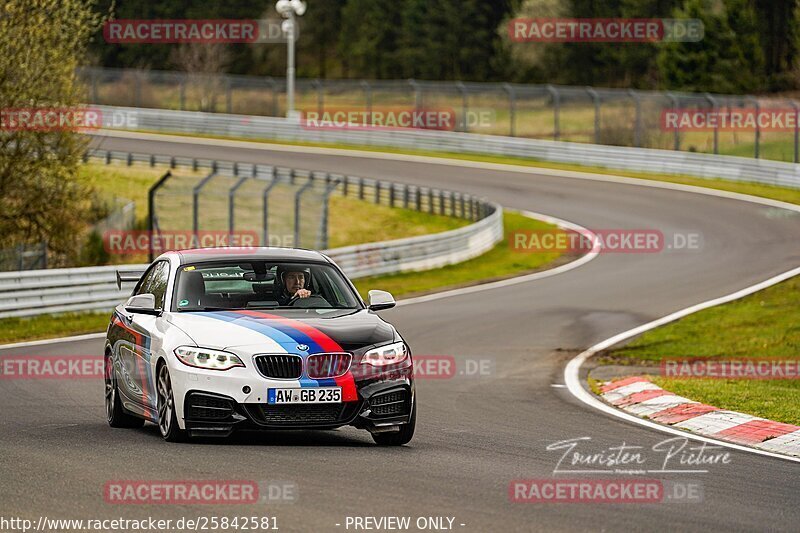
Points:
[[474, 434]]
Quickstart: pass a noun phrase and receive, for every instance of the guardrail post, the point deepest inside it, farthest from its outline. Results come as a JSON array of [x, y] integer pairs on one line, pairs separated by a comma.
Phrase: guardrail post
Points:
[[377, 192], [461, 200], [345, 182], [391, 194], [512, 104], [265, 204], [108, 157], [194, 164], [430, 200], [464, 106], [715, 105], [596, 102], [441, 202], [196, 202], [452, 204], [129, 159], [418, 199], [556, 99], [151, 212], [297, 196], [360, 188], [405, 196]]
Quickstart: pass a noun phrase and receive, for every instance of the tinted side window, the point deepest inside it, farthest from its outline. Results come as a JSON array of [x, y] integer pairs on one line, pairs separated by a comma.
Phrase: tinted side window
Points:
[[158, 283], [154, 282]]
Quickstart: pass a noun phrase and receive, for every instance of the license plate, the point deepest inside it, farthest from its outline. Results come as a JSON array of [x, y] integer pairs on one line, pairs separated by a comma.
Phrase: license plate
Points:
[[305, 395]]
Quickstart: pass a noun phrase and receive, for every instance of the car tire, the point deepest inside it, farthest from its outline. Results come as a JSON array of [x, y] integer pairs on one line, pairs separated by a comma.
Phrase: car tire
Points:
[[167, 418], [115, 414], [398, 438]]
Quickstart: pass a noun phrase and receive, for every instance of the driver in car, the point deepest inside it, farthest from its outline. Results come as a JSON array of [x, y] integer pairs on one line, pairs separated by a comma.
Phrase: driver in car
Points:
[[294, 282]]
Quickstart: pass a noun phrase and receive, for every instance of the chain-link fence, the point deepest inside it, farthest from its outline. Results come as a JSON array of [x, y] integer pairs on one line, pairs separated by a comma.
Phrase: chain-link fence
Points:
[[24, 257], [617, 117], [259, 205]]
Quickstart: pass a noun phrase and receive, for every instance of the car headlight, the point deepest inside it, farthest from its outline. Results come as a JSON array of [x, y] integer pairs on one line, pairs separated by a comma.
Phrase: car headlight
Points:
[[389, 354], [207, 358]]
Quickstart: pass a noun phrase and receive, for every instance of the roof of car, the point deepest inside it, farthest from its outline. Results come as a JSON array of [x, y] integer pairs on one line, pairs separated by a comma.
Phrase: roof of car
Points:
[[201, 255]]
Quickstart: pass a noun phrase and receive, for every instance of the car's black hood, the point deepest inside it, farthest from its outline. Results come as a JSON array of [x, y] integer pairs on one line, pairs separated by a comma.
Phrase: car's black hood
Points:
[[346, 330]]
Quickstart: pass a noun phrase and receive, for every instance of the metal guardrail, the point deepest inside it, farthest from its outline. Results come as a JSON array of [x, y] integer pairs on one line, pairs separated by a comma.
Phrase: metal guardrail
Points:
[[612, 157], [609, 116], [30, 293]]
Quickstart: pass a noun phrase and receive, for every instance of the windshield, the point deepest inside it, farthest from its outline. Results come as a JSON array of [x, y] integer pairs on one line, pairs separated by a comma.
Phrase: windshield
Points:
[[261, 285]]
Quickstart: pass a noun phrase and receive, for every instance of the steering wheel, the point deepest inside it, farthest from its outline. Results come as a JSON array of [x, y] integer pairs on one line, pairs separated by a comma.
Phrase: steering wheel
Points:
[[312, 301]]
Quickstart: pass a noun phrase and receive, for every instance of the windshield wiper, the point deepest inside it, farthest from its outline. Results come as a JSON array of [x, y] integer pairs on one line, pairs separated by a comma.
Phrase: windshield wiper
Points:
[[210, 308]]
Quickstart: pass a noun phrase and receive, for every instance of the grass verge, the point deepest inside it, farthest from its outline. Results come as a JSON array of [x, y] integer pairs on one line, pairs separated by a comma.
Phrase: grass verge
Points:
[[498, 263], [51, 326], [763, 325]]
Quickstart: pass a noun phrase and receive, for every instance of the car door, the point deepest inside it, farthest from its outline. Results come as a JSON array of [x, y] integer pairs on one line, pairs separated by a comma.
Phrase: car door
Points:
[[135, 352]]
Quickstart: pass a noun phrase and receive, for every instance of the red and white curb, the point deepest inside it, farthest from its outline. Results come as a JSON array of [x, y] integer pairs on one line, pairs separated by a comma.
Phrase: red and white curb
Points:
[[639, 396]]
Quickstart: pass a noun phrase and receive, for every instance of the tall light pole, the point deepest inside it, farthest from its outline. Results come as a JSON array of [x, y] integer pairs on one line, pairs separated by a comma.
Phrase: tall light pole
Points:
[[288, 9]]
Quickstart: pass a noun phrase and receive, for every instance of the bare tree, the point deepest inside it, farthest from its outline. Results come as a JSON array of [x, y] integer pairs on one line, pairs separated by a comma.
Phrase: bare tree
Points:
[[203, 63]]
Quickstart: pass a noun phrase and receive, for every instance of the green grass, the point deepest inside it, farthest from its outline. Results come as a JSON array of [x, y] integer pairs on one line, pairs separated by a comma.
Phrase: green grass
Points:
[[51, 326], [777, 400], [498, 263], [763, 325]]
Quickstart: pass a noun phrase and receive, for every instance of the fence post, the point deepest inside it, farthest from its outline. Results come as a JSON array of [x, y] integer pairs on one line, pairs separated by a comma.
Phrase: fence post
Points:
[[758, 126], [596, 102], [297, 196], [320, 96], [322, 240], [182, 92], [464, 106], [151, 212], [556, 99], [44, 254], [417, 94], [228, 96], [512, 104], [796, 130], [274, 88], [196, 202], [232, 206], [637, 128], [674, 101], [368, 99], [265, 204], [715, 105]]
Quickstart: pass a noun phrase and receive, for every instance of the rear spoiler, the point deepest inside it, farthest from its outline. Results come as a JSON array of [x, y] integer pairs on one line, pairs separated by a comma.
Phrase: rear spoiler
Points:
[[128, 276]]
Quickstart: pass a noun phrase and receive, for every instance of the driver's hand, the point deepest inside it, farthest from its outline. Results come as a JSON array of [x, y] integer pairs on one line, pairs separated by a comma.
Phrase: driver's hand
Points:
[[302, 293]]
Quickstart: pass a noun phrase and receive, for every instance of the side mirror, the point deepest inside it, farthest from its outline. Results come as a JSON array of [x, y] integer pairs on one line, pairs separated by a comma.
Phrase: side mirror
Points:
[[142, 303], [379, 300]]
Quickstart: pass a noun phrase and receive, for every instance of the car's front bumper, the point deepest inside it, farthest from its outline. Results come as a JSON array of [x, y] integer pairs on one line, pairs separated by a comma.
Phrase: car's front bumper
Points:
[[383, 405]]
